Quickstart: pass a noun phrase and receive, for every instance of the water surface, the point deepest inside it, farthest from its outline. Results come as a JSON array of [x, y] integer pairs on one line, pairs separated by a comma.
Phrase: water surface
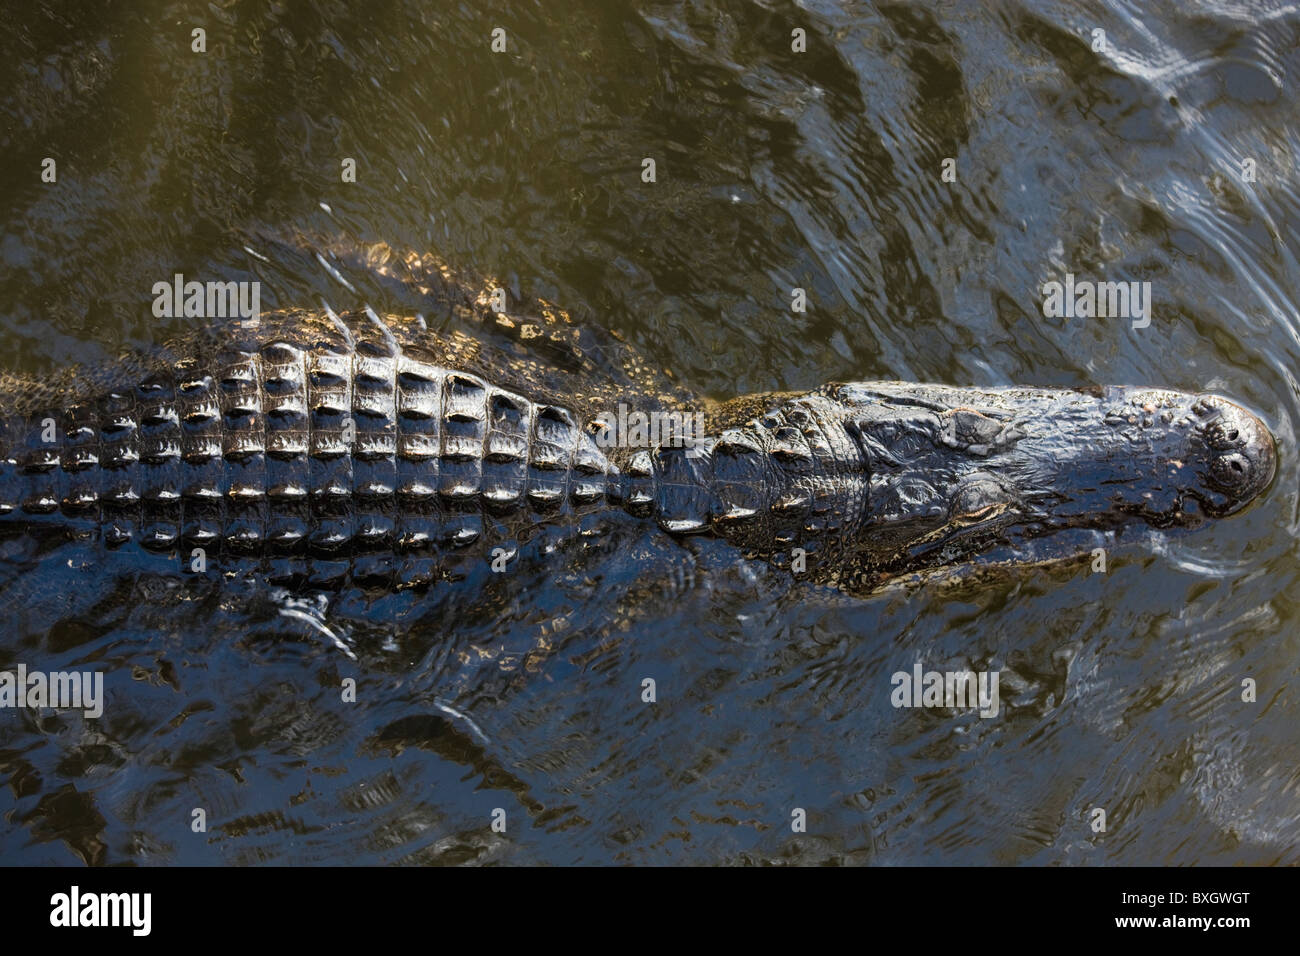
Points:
[[775, 170]]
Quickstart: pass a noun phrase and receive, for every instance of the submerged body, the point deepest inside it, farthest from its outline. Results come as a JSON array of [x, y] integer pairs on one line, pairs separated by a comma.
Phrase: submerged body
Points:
[[318, 447]]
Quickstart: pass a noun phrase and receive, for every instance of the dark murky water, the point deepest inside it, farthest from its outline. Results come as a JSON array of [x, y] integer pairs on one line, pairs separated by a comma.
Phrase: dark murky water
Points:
[[775, 169]]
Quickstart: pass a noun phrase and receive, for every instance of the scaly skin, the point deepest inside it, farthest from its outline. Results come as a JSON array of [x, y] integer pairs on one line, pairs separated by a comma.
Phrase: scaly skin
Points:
[[335, 446]]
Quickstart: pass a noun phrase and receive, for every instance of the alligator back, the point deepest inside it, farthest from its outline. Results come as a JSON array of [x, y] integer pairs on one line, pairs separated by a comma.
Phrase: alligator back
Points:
[[329, 449], [318, 447]]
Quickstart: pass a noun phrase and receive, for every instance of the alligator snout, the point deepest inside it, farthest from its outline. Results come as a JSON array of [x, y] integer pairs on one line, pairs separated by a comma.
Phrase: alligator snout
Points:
[[1241, 456]]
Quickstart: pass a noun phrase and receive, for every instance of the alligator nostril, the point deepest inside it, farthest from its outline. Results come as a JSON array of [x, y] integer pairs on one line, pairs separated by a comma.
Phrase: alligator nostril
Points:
[[1221, 435], [1230, 472]]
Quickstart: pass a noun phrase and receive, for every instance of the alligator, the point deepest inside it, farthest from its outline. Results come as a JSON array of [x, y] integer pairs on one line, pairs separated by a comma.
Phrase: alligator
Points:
[[320, 447]]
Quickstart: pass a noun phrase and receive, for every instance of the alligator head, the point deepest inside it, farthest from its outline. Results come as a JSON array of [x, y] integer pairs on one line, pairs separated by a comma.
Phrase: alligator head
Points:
[[961, 472]]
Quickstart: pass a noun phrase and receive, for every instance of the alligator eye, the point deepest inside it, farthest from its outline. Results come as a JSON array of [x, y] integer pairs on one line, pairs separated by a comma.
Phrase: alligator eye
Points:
[[972, 517], [972, 430], [976, 502]]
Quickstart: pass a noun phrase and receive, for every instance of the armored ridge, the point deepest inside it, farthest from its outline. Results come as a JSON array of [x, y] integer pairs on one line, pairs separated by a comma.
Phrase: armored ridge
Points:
[[351, 450], [289, 450]]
